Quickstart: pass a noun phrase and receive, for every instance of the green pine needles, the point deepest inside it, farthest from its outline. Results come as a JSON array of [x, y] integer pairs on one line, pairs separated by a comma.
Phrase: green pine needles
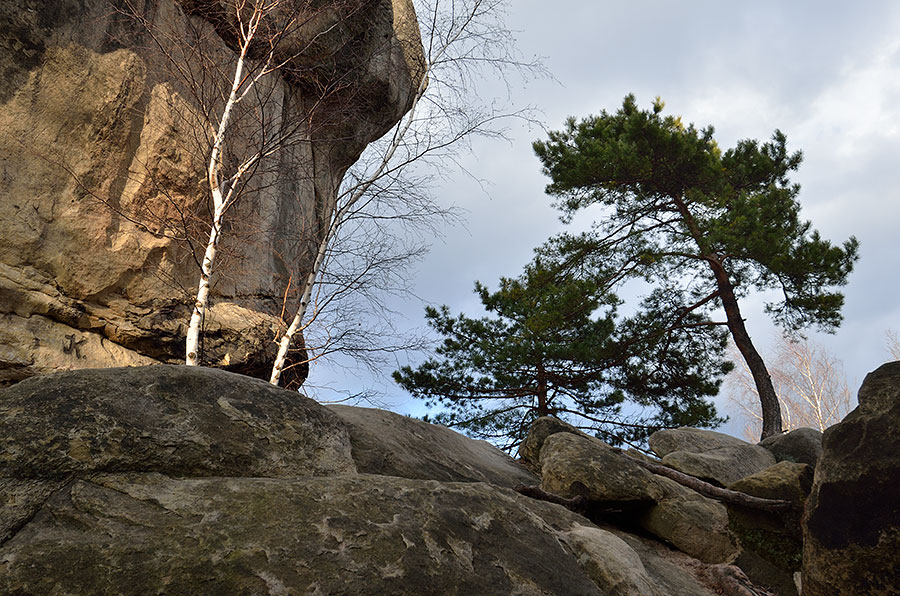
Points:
[[701, 228], [553, 345]]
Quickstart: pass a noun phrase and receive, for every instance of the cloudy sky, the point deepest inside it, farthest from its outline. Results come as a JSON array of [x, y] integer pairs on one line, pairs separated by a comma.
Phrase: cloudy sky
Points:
[[826, 73]]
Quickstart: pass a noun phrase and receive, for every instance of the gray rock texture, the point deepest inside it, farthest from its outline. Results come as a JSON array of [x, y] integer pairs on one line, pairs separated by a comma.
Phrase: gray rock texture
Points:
[[851, 532], [710, 456], [692, 523], [175, 420], [692, 440], [102, 198], [394, 445], [573, 465], [801, 445], [543, 427], [176, 480]]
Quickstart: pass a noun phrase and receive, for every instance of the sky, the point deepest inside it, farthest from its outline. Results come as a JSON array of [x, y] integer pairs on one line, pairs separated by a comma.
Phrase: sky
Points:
[[827, 74]]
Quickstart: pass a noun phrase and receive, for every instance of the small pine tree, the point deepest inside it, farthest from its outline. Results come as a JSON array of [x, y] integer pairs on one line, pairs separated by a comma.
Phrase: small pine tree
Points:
[[553, 345]]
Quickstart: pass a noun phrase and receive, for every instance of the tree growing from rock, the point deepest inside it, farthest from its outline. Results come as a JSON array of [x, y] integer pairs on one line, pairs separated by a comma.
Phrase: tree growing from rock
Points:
[[552, 344], [708, 225], [809, 381]]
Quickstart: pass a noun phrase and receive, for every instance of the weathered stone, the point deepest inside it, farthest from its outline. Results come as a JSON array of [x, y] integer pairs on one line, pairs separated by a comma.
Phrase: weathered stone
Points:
[[692, 440], [543, 427], [671, 571], [573, 465], [721, 466], [801, 445], [176, 420], [610, 562], [710, 456], [851, 529], [20, 500], [775, 538], [393, 445], [691, 522], [102, 198], [360, 534]]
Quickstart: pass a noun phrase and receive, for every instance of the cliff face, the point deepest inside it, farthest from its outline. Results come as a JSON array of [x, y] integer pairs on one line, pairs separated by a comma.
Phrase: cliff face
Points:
[[104, 134]]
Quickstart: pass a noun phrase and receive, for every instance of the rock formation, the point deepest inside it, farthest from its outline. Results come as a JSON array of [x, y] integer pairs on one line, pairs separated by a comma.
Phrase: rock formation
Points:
[[851, 533], [169, 479], [102, 161]]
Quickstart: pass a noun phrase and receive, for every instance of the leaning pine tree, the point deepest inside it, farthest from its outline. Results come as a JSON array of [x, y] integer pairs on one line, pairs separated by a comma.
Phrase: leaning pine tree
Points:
[[552, 345], [706, 225]]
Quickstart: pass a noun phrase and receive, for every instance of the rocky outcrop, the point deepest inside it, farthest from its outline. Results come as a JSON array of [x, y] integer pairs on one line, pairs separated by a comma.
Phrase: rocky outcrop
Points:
[[772, 542], [179, 480], [851, 533], [394, 445], [102, 200], [711, 456], [801, 445]]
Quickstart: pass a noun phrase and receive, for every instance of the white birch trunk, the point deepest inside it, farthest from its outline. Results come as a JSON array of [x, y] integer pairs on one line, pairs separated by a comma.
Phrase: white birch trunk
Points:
[[284, 343], [220, 202]]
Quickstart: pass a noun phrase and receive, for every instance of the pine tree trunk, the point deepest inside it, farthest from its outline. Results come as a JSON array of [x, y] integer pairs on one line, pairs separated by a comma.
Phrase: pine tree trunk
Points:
[[768, 400]]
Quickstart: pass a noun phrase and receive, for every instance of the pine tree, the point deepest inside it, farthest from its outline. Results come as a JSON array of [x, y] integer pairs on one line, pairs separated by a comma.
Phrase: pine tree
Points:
[[552, 344], [697, 222]]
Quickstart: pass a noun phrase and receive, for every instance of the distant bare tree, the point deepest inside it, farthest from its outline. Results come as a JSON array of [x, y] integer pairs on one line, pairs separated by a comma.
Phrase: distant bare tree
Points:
[[809, 381], [892, 343]]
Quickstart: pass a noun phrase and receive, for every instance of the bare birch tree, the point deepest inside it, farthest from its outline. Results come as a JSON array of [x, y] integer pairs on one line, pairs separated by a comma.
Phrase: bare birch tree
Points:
[[388, 186], [810, 383], [892, 343]]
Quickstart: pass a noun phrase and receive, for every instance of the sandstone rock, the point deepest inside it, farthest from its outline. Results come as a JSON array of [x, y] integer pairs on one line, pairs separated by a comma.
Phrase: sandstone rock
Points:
[[393, 445], [102, 202], [671, 571], [610, 562], [692, 440], [721, 466], [801, 445], [543, 427], [176, 420], [771, 543], [851, 530], [575, 465], [691, 522], [710, 456], [149, 534]]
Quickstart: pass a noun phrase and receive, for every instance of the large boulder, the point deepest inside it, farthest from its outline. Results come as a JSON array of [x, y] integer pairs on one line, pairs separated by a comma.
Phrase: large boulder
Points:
[[150, 534], [543, 427], [172, 420], [394, 445], [573, 465], [801, 445], [851, 532], [175, 420], [691, 523], [102, 201], [714, 457]]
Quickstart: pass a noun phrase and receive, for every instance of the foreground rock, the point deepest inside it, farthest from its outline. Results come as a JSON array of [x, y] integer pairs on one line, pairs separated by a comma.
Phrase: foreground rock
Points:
[[851, 536], [175, 480], [169, 419], [338, 535], [102, 198]]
